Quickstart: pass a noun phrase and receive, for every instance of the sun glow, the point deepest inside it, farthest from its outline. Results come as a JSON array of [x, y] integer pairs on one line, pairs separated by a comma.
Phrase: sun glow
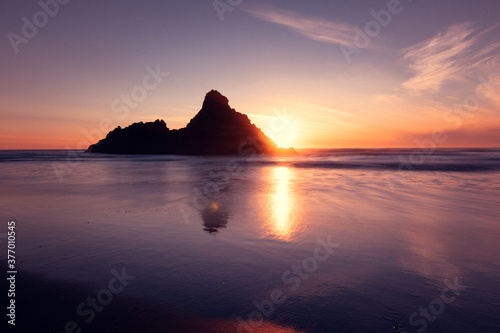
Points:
[[283, 131]]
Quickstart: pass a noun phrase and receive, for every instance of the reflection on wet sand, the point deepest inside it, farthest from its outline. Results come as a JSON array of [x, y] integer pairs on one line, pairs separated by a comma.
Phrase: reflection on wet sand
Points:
[[214, 217], [282, 213], [140, 315]]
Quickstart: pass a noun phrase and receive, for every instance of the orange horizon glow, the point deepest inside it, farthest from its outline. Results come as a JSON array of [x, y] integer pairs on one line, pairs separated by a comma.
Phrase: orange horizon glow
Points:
[[297, 124], [487, 138]]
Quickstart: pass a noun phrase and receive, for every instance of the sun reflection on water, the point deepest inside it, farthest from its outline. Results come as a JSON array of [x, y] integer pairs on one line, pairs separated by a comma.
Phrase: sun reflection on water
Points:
[[283, 219]]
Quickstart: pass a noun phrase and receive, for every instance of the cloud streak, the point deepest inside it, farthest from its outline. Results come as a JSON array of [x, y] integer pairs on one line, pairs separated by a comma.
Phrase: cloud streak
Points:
[[442, 57], [310, 27]]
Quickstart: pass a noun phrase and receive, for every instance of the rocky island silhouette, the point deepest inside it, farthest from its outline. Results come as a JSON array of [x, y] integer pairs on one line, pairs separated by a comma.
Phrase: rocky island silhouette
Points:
[[217, 129]]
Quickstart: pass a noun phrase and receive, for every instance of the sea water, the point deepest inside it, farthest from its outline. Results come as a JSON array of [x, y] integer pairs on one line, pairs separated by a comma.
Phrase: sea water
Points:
[[346, 240]]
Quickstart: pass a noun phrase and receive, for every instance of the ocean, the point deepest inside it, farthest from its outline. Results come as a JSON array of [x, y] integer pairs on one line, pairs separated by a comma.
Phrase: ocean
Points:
[[338, 240]]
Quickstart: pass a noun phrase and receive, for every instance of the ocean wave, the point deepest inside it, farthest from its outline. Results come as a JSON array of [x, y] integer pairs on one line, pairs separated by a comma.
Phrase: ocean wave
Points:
[[462, 159]]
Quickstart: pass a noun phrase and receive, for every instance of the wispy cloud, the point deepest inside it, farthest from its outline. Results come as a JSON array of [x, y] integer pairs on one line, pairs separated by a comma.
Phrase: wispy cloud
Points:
[[445, 56], [311, 27]]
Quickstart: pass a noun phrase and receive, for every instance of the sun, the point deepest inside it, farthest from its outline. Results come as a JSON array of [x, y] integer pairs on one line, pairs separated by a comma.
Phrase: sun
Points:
[[283, 131]]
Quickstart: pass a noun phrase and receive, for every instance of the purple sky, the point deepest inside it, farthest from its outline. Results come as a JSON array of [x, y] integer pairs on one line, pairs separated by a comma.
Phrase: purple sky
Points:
[[269, 58]]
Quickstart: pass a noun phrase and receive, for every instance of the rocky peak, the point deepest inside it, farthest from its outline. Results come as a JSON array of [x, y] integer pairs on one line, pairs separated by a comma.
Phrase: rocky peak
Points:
[[214, 98]]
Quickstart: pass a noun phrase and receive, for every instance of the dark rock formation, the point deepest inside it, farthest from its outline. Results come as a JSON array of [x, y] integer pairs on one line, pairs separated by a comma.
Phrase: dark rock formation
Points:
[[215, 130]]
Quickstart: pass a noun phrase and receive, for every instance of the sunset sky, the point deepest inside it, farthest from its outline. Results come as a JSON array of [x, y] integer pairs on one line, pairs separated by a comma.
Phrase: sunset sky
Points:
[[325, 73]]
